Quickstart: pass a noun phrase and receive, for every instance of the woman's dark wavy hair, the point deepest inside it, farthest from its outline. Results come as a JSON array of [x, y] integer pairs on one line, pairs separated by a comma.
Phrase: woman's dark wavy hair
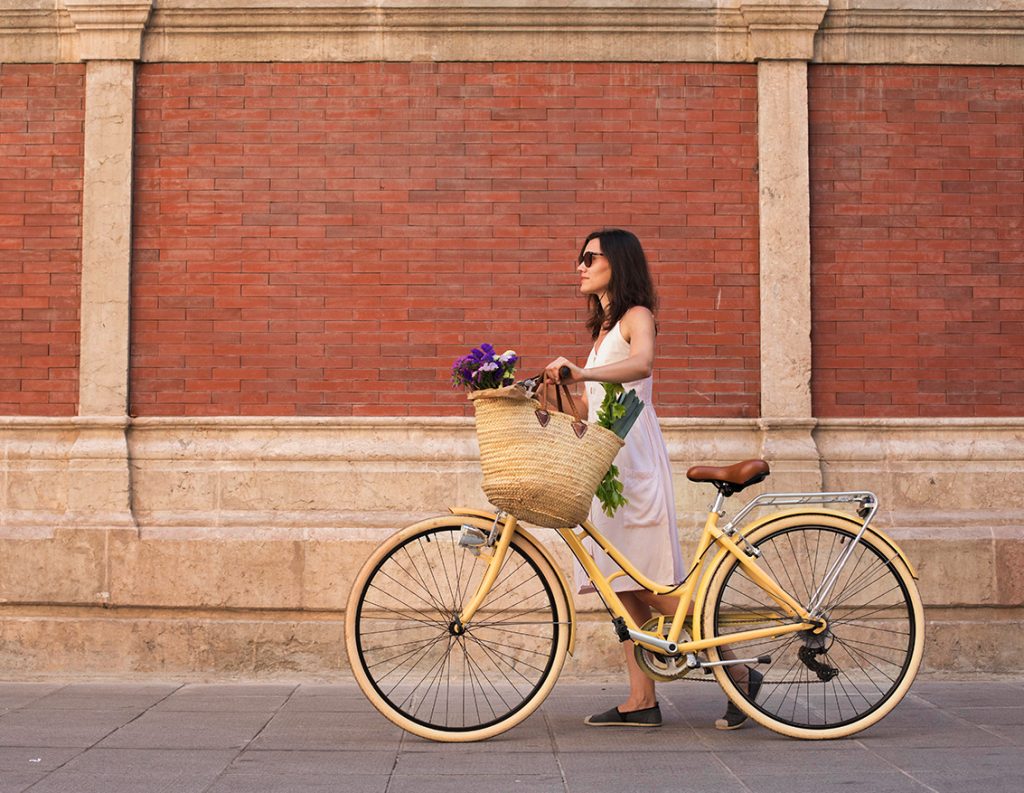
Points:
[[630, 284]]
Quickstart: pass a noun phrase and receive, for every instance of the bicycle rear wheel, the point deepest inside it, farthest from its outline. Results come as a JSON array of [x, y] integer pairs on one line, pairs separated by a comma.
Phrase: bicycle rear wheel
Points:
[[851, 675], [434, 678]]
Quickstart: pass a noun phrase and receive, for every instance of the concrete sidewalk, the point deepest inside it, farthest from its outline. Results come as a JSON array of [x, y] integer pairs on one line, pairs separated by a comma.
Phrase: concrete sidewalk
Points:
[[312, 738]]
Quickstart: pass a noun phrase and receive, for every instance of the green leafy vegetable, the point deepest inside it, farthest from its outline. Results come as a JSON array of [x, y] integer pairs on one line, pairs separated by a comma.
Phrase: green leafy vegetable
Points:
[[617, 413], [609, 492], [610, 409]]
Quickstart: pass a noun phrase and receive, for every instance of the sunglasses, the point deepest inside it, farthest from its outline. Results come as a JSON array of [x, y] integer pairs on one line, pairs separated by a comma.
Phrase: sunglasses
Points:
[[587, 258]]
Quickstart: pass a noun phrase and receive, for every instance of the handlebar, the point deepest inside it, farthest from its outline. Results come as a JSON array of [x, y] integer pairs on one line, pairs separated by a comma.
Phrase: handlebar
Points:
[[533, 383]]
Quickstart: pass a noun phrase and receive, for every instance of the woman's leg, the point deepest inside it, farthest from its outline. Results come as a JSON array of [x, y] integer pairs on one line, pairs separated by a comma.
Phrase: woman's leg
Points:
[[641, 687], [663, 604], [666, 604]]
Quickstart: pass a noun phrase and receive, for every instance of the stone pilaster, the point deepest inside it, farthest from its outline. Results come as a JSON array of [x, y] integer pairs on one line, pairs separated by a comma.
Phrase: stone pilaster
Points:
[[106, 238], [109, 36], [782, 42], [785, 242]]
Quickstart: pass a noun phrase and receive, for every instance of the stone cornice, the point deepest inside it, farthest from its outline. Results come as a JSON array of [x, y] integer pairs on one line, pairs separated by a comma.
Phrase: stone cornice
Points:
[[453, 30], [783, 29], [922, 31], [854, 31], [35, 32], [108, 29], [454, 423]]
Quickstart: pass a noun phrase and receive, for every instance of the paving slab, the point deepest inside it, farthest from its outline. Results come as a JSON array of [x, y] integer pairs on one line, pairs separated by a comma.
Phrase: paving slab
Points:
[[315, 737], [189, 730], [37, 727], [16, 782], [69, 782], [250, 783], [470, 783], [365, 761], [129, 762], [32, 759], [15, 695]]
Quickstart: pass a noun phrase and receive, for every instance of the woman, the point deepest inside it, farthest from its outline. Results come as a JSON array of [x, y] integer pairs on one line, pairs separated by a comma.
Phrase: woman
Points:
[[620, 294]]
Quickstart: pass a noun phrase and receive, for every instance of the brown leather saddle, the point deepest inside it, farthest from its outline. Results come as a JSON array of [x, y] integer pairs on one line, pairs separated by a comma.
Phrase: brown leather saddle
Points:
[[733, 478]]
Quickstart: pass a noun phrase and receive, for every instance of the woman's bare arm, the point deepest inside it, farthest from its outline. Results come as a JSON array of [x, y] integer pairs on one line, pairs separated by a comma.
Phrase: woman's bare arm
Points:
[[637, 328]]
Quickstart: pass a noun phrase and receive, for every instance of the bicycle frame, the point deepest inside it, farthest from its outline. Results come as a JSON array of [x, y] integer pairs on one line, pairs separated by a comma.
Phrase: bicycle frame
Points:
[[710, 535], [688, 592], [438, 620]]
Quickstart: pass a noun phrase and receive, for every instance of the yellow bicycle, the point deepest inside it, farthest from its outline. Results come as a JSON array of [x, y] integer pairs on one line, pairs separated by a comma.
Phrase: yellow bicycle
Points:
[[458, 626]]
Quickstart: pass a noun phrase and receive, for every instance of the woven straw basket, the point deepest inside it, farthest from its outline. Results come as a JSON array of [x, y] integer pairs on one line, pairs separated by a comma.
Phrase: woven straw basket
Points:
[[546, 475]]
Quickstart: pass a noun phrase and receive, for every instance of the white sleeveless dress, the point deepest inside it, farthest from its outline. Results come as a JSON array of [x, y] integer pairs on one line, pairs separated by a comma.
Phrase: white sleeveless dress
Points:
[[645, 528]]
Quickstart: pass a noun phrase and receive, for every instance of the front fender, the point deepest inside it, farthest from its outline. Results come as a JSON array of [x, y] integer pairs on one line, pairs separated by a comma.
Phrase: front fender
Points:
[[484, 520]]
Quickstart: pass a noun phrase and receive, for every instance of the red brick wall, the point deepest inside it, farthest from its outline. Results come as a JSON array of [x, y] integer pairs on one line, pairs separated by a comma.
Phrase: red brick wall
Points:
[[917, 215], [41, 138], [326, 238]]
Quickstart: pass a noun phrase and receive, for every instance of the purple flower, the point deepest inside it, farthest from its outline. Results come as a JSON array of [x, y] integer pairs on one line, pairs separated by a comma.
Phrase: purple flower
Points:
[[484, 368]]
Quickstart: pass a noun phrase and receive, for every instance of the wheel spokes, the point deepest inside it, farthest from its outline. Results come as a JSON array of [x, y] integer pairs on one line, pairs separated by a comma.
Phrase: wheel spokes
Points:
[[841, 675], [439, 674]]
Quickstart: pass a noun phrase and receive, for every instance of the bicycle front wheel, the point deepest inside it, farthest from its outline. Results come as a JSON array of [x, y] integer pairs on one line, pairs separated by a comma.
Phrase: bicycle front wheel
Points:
[[844, 679], [424, 671]]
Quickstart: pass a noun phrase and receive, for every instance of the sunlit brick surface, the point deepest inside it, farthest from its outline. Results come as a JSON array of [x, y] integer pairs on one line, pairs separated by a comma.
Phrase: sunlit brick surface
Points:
[[917, 240], [41, 140], [325, 239]]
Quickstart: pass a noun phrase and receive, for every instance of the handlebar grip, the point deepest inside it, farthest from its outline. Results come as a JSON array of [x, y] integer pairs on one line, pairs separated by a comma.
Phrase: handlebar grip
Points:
[[564, 373]]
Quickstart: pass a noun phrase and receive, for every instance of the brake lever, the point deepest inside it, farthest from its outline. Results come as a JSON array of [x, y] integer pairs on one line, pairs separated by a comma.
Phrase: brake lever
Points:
[[530, 385]]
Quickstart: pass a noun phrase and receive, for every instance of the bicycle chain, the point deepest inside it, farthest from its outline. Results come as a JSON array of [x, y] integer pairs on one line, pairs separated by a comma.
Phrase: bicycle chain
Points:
[[806, 655]]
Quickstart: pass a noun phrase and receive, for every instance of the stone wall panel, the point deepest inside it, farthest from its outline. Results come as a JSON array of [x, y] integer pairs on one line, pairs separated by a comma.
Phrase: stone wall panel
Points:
[[290, 201]]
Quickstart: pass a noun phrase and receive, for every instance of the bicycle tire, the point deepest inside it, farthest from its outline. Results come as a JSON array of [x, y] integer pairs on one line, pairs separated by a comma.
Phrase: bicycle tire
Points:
[[413, 664], [842, 681]]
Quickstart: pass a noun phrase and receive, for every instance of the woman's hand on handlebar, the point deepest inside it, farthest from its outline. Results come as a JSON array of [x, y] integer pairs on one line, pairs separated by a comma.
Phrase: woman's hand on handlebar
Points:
[[562, 370]]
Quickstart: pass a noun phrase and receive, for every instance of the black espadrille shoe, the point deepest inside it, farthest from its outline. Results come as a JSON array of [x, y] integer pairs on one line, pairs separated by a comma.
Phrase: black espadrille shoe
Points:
[[735, 718], [648, 717]]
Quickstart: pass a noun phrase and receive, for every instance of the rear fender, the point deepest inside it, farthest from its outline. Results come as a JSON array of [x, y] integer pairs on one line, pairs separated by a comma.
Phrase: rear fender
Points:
[[854, 521], [827, 516]]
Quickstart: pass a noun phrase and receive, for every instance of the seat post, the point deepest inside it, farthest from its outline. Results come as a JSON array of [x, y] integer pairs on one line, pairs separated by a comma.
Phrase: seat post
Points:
[[719, 504]]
